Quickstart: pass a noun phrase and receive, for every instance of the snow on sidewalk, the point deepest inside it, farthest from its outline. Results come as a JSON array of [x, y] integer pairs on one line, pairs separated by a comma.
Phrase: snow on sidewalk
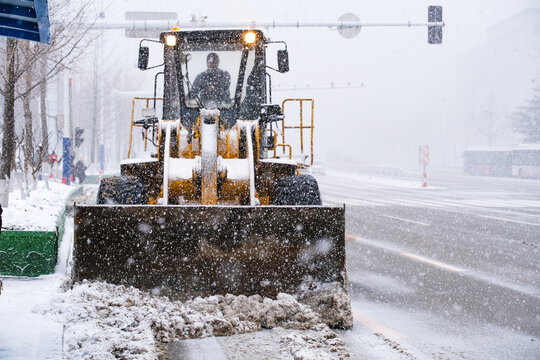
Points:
[[25, 334]]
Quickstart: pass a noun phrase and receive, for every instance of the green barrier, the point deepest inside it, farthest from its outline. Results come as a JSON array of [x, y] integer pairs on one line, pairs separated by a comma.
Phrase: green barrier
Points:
[[27, 253], [32, 253]]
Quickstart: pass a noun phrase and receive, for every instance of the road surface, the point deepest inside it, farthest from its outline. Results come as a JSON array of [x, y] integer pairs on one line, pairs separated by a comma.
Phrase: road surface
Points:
[[450, 271]]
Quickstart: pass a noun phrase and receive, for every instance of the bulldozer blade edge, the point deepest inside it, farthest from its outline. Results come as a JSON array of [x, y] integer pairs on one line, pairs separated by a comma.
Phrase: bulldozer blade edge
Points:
[[205, 250]]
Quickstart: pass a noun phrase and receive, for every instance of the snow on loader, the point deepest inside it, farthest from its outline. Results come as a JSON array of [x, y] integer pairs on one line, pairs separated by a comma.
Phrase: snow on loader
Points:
[[215, 208]]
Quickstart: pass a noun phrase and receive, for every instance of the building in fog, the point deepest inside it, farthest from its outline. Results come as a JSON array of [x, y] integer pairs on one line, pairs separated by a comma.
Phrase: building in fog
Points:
[[496, 78]]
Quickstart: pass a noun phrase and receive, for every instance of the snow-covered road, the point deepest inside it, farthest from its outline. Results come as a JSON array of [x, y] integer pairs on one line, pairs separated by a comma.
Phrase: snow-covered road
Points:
[[449, 271]]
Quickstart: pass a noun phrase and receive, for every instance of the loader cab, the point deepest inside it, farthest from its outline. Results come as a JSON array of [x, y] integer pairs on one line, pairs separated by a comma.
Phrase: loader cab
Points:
[[242, 68]]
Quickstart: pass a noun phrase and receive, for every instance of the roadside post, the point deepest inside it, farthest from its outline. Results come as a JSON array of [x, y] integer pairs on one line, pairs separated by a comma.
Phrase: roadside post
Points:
[[423, 158], [101, 161], [66, 140]]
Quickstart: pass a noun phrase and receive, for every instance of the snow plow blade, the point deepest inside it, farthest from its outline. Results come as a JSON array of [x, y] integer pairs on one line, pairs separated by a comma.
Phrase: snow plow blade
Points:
[[194, 251]]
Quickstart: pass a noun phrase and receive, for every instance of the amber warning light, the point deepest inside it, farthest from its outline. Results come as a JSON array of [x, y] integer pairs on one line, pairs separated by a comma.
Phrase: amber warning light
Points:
[[250, 37], [170, 40]]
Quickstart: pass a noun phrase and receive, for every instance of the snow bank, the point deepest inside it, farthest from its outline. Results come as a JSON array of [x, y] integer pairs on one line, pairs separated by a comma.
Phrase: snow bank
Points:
[[40, 210], [107, 321]]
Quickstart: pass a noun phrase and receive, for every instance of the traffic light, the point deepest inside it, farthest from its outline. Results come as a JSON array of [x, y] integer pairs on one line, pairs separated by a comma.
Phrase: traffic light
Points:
[[78, 136]]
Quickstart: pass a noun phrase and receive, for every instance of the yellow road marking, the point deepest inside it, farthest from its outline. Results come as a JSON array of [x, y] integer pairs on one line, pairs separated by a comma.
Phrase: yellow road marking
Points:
[[354, 237], [377, 327], [433, 262]]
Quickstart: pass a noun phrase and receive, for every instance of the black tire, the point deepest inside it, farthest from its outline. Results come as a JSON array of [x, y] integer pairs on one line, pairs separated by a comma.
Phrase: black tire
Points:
[[122, 190], [296, 190]]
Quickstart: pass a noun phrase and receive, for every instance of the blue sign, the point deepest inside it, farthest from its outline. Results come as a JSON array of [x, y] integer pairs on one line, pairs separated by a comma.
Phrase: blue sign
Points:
[[25, 19], [66, 160]]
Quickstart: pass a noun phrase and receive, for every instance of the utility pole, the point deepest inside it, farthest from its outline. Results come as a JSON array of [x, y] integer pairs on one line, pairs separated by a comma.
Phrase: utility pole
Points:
[[95, 108], [101, 156], [66, 140]]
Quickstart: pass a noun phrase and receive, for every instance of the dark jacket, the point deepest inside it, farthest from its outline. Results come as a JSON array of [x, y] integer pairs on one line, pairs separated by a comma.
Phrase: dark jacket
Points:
[[79, 171], [212, 86]]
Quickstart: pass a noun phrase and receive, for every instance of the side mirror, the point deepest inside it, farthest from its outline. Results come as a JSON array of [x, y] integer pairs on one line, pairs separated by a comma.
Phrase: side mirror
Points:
[[144, 53], [283, 61]]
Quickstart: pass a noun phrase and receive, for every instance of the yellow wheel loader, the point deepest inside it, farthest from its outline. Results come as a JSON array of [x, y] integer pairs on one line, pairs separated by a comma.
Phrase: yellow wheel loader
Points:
[[216, 208]]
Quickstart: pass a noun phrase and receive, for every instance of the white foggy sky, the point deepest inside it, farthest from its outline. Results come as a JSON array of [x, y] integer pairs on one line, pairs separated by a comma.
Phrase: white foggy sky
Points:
[[409, 93]]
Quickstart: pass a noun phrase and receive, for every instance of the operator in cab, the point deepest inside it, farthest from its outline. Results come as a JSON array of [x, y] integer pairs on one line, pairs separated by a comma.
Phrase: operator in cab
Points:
[[212, 86]]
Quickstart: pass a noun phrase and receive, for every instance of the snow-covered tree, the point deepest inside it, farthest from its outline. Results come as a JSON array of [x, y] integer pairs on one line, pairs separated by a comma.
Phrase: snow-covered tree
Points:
[[526, 120]]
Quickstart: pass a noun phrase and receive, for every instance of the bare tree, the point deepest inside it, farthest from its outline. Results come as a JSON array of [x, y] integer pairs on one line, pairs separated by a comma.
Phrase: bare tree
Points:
[[69, 39], [491, 124], [28, 128], [43, 106], [8, 140]]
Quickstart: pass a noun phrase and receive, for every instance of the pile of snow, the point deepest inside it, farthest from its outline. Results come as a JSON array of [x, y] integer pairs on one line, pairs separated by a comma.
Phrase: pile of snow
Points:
[[109, 321], [318, 342], [330, 301], [39, 211]]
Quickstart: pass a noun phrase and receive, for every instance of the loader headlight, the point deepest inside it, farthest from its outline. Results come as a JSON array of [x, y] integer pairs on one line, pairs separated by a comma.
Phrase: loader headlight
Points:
[[170, 40], [250, 37]]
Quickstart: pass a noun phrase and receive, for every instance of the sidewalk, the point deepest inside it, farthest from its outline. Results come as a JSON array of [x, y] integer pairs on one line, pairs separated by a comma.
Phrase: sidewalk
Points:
[[24, 333]]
